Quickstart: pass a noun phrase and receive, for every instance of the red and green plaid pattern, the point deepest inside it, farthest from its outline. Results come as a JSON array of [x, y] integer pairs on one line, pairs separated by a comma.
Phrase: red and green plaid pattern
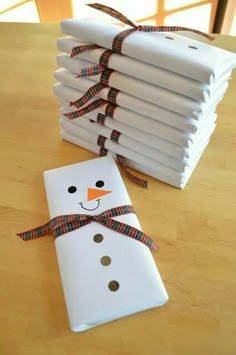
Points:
[[91, 71], [118, 40], [112, 12], [83, 111], [94, 90], [64, 224], [90, 93], [110, 109], [122, 160], [101, 119], [136, 179], [173, 29], [103, 152], [105, 57], [112, 95], [98, 68], [101, 141], [115, 135], [106, 76], [83, 48]]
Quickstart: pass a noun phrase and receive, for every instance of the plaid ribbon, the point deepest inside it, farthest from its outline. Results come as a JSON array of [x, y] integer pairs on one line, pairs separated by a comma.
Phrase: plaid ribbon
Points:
[[122, 160], [112, 95], [63, 224], [109, 111], [83, 48], [118, 40], [98, 68], [83, 111], [136, 179], [115, 135], [94, 90]]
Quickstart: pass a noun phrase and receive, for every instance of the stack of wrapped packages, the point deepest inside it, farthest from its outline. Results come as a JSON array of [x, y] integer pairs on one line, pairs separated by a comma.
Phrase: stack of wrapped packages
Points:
[[149, 97]]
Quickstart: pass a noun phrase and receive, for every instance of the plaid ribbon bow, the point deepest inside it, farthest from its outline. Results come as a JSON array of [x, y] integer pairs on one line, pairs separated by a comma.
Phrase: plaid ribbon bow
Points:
[[102, 67], [61, 225], [118, 40]]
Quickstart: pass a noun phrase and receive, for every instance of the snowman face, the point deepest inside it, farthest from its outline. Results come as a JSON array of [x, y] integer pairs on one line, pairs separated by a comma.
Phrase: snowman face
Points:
[[94, 195], [90, 187]]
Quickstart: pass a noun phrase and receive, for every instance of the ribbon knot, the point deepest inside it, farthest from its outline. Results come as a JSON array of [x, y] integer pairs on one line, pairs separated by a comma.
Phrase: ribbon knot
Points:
[[64, 224]]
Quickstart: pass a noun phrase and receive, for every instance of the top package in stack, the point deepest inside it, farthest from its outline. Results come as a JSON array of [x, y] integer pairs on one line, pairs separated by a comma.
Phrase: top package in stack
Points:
[[153, 103]]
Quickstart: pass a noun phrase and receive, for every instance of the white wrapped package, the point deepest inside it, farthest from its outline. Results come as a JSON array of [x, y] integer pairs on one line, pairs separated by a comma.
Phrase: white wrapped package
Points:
[[188, 124], [134, 156], [158, 172], [172, 149], [147, 72], [74, 127], [185, 56], [129, 101], [150, 126], [141, 89], [98, 292]]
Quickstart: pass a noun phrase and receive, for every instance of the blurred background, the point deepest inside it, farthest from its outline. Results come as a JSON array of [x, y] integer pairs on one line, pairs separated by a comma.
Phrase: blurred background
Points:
[[218, 16]]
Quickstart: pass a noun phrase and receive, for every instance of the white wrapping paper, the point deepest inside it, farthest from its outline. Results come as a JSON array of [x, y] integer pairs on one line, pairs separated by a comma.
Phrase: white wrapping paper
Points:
[[145, 124], [172, 149], [159, 172], [139, 158], [171, 118], [150, 73], [185, 56], [74, 127], [141, 89], [85, 279]]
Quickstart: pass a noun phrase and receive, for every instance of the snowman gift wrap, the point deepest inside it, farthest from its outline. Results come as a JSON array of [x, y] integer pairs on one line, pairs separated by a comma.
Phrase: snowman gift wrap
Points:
[[105, 274]]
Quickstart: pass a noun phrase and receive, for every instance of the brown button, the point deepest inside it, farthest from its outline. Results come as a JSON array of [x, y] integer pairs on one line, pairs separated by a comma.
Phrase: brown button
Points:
[[98, 238], [113, 285], [105, 260]]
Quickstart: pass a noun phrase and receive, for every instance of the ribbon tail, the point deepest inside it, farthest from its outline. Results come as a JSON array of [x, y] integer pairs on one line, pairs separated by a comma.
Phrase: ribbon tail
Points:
[[141, 182], [83, 111], [37, 232], [112, 12], [175, 29], [131, 232], [91, 71], [90, 93], [82, 48]]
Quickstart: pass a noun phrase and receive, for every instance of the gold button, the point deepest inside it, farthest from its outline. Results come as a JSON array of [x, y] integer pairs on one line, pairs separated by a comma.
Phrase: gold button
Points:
[[98, 238], [105, 260], [113, 285]]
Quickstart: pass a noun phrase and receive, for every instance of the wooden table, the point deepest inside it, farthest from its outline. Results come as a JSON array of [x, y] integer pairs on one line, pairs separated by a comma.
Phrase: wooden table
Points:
[[196, 228]]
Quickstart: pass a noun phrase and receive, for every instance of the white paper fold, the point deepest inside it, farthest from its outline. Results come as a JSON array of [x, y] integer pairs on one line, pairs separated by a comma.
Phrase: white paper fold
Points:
[[85, 280], [159, 172], [185, 56], [139, 158], [140, 89], [145, 124], [172, 149], [149, 73], [74, 127]]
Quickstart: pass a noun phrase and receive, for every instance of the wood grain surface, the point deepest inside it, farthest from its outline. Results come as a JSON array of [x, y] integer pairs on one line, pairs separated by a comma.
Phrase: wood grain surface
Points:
[[196, 228]]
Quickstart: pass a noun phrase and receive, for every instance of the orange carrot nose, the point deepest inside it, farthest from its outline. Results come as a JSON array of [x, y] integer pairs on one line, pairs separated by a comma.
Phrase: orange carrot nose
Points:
[[95, 193]]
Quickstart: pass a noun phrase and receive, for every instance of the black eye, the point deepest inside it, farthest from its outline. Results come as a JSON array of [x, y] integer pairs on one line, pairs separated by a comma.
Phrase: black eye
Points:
[[72, 189], [100, 183]]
